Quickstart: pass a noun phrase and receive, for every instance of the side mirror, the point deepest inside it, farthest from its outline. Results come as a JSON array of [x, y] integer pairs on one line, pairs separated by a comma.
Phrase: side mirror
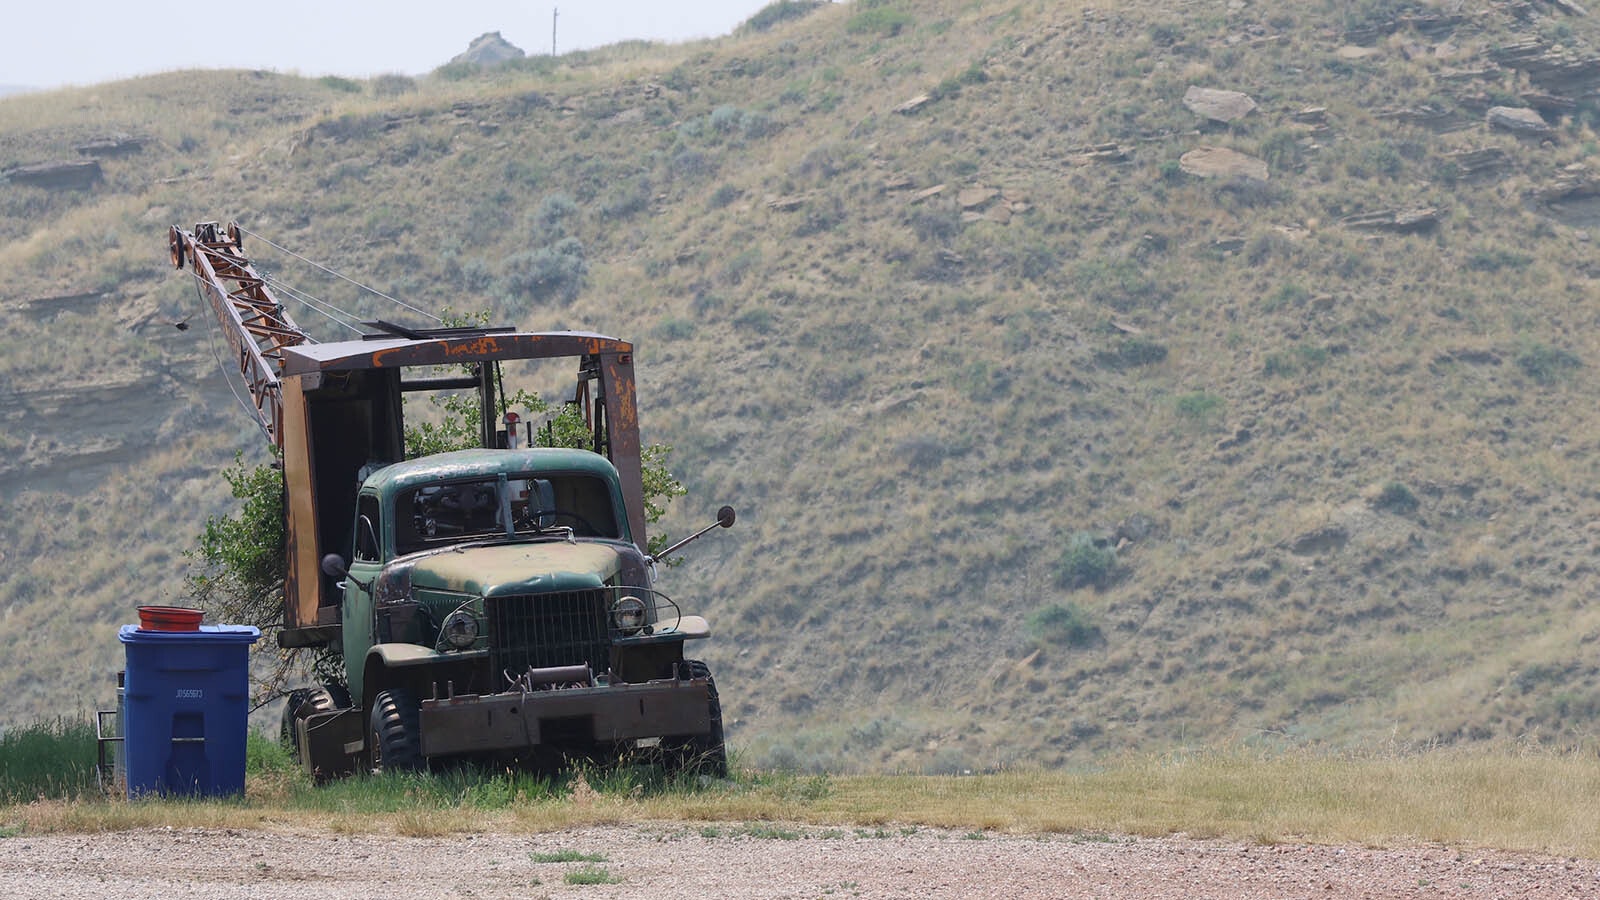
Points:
[[725, 517], [333, 564]]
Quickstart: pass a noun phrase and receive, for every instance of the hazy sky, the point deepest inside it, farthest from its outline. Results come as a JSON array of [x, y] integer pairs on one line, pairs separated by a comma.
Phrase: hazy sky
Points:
[[48, 43]]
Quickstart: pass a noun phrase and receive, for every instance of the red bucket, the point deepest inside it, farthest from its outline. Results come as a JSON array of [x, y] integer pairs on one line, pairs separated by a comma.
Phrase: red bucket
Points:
[[169, 618]]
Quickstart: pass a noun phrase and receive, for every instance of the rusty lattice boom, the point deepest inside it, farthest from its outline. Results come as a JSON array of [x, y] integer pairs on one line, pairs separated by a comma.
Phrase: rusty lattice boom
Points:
[[239, 295]]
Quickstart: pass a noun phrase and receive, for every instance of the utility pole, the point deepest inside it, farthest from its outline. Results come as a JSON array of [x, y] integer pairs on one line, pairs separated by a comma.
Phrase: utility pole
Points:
[[554, 12]]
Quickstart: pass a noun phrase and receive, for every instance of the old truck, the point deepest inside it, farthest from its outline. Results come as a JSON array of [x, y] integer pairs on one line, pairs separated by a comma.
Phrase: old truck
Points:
[[493, 603]]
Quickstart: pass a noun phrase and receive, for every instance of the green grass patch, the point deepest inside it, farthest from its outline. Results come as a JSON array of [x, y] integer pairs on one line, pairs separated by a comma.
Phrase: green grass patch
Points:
[[1546, 364], [1062, 625], [53, 760], [880, 21], [565, 856], [1200, 408], [591, 875]]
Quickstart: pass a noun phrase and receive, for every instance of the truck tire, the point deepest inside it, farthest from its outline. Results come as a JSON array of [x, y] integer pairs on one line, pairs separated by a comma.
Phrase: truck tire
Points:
[[303, 702], [291, 711], [394, 742], [701, 754]]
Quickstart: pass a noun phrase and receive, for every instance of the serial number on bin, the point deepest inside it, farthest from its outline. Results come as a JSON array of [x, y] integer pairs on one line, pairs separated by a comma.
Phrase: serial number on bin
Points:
[[191, 694]]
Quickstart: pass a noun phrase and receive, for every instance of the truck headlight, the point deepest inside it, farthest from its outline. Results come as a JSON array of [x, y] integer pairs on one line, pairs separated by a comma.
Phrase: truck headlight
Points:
[[460, 629], [627, 615]]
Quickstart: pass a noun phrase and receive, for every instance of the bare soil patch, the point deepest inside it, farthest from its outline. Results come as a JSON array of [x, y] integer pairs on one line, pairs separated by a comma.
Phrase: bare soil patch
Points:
[[756, 861]]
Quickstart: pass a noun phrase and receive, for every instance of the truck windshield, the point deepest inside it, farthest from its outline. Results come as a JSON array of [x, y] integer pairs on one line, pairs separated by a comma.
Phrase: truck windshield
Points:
[[448, 513]]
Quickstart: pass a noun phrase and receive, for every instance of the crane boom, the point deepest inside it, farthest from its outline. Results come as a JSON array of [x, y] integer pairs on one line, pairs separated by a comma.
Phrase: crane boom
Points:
[[255, 324]]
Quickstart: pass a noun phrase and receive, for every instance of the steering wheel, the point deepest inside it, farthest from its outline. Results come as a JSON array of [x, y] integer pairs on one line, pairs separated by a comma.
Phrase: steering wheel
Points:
[[531, 517]]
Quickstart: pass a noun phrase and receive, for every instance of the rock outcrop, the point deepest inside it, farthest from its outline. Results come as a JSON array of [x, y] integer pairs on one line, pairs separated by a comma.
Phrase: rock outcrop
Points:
[[1218, 106], [56, 175], [1517, 119], [1402, 221], [489, 49], [1220, 162]]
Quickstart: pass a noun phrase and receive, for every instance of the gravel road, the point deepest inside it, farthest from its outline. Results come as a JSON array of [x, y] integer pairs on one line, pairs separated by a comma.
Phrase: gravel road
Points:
[[758, 860]]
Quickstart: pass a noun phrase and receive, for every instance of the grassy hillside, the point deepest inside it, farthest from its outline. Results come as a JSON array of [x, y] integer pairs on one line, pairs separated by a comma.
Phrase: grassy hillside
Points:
[[1044, 446]]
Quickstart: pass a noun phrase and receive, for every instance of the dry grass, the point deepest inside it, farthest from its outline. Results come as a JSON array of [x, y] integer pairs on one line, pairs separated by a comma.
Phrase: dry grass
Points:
[[1525, 800]]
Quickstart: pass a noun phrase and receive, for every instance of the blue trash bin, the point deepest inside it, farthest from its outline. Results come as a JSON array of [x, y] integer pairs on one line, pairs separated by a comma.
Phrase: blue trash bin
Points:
[[187, 699]]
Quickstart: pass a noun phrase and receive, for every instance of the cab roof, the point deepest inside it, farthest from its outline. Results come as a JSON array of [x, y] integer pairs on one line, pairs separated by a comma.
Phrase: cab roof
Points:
[[446, 349], [467, 464]]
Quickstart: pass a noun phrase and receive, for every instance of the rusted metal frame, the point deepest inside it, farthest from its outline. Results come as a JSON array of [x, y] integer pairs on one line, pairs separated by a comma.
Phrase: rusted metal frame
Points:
[[622, 436], [255, 313]]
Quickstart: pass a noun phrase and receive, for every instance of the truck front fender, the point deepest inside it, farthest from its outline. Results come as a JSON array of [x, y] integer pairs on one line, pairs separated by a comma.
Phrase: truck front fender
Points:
[[396, 656], [410, 666]]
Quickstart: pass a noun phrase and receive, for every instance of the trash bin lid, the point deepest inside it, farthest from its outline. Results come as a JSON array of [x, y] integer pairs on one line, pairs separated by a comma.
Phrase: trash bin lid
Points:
[[219, 634]]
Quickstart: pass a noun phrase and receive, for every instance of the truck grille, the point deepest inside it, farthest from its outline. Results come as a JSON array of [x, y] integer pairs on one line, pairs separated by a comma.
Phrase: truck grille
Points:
[[567, 628]]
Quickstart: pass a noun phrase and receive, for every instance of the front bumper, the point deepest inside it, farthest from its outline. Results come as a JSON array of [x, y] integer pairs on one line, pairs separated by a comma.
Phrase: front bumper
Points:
[[472, 723]]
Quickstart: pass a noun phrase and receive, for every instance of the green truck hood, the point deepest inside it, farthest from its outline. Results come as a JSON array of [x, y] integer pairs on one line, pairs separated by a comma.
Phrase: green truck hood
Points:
[[524, 568]]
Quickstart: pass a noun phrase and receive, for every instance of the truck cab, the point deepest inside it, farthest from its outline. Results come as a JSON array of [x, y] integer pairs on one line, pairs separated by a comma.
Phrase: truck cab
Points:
[[495, 604]]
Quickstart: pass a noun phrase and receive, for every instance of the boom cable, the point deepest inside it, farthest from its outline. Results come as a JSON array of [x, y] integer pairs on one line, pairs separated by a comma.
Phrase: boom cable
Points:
[[332, 313], [212, 334], [314, 263]]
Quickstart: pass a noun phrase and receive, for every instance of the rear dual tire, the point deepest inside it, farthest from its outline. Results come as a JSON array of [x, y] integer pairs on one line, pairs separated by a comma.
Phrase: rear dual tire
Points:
[[304, 702]]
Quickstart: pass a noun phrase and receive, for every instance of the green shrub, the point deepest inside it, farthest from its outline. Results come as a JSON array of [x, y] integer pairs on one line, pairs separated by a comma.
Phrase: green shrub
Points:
[[1086, 562], [726, 119], [782, 11], [758, 320], [1397, 498], [627, 199], [741, 265], [1201, 407], [1120, 283], [1544, 364], [1311, 356], [342, 85], [555, 272], [240, 559], [1289, 294], [457, 71], [1497, 259], [1131, 352], [722, 196], [934, 225], [1280, 149], [1165, 34], [880, 21], [1278, 363], [691, 164], [548, 223], [675, 329], [1062, 625], [393, 85]]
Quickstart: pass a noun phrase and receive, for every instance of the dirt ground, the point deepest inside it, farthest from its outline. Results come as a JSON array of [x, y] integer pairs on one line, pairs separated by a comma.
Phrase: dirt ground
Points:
[[760, 860]]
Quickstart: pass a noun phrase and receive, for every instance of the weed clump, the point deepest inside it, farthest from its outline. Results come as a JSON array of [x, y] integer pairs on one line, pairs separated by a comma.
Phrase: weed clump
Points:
[[1396, 498], [773, 14], [1086, 562], [1546, 364], [1062, 625]]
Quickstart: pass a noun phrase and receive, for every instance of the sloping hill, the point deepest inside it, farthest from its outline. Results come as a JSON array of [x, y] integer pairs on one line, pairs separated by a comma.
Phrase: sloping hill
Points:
[[1055, 428]]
